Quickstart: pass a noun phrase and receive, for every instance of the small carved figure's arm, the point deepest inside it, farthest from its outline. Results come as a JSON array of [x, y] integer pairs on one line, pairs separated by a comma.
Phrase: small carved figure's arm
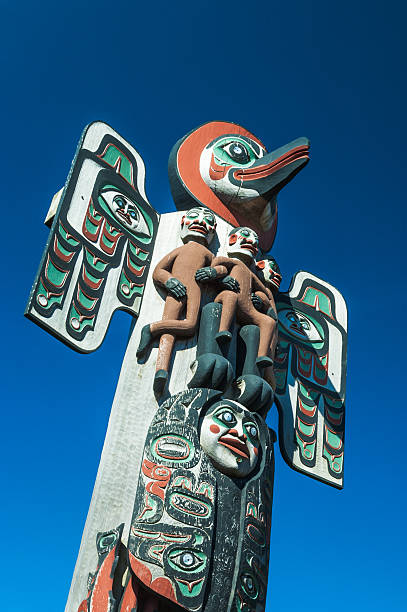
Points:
[[262, 292], [259, 300], [162, 275], [218, 272]]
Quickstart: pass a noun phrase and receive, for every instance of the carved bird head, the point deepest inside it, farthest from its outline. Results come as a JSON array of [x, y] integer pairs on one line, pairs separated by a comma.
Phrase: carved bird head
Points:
[[224, 167]]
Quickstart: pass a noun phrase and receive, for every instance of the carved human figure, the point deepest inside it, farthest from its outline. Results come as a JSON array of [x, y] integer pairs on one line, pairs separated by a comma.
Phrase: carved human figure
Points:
[[230, 438], [245, 303], [176, 274]]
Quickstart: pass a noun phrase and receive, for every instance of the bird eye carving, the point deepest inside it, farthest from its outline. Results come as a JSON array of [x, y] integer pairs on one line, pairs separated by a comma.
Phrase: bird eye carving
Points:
[[234, 151]]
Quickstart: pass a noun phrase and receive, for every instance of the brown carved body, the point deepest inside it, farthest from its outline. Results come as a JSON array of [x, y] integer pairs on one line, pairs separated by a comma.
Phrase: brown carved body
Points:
[[181, 263], [240, 304]]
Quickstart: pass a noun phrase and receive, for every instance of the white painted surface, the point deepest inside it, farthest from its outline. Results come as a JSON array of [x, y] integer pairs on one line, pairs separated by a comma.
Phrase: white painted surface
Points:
[[132, 411]]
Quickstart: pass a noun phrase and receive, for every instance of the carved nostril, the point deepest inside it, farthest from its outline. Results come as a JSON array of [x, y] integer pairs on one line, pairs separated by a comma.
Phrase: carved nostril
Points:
[[234, 432]]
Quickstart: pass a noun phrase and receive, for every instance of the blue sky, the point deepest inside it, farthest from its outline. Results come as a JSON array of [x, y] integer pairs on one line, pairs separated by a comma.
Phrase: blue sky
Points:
[[154, 71]]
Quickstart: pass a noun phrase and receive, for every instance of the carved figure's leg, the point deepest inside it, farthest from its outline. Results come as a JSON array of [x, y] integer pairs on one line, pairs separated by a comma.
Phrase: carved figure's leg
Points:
[[228, 299], [267, 327]]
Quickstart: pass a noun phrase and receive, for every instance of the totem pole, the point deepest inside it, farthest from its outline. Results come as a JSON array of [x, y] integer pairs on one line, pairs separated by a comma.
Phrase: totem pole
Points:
[[180, 515]]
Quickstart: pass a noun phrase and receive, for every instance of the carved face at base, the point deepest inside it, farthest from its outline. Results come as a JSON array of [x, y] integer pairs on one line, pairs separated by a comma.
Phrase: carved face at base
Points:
[[243, 242], [230, 438], [269, 273], [198, 224]]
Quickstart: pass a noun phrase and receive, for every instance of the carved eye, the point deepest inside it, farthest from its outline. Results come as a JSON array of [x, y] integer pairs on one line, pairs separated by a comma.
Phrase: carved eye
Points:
[[186, 560], [238, 152], [127, 212], [252, 430], [106, 541], [226, 417], [234, 151], [249, 585]]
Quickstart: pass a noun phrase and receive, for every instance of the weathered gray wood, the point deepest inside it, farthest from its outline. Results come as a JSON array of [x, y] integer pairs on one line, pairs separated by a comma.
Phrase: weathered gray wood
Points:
[[133, 408]]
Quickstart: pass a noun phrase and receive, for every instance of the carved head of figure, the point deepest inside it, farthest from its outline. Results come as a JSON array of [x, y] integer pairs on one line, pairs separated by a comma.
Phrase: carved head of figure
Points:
[[269, 273], [230, 438], [225, 167], [198, 224], [243, 244]]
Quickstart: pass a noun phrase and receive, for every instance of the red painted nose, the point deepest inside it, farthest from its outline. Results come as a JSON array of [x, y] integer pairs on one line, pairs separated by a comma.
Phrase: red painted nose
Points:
[[234, 432]]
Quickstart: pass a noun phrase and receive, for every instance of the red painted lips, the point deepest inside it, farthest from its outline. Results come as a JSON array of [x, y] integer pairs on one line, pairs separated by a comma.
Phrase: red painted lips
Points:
[[235, 445], [198, 227]]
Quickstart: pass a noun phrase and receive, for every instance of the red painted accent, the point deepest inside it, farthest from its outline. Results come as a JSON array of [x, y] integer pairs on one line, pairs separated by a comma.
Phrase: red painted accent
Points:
[[306, 409], [103, 584], [188, 158], [255, 450], [83, 607], [133, 269], [129, 600], [214, 428], [118, 162], [89, 282], [235, 445], [261, 264], [321, 370], [232, 239], [216, 171], [163, 586], [114, 239], [257, 172], [97, 224], [60, 254]]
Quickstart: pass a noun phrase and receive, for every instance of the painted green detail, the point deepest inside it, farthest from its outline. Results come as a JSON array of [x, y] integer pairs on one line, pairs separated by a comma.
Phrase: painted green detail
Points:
[[80, 322], [55, 276], [333, 439], [112, 230], [149, 513], [335, 417], [67, 236], [92, 229], [182, 481], [46, 301], [206, 490], [224, 159], [305, 428], [317, 300], [195, 589], [86, 302], [335, 462], [307, 450], [63, 250], [92, 278], [128, 289], [107, 242], [95, 214], [141, 255], [98, 265], [251, 510], [334, 402], [198, 539], [309, 394], [112, 155]]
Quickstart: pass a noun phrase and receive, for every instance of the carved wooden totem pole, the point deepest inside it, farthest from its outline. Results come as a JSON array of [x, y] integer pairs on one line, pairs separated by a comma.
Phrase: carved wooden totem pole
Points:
[[180, 516]]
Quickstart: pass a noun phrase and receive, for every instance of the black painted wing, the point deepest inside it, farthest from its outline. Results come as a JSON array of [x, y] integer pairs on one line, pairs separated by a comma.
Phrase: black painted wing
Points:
[[310, 369], [100, 245]]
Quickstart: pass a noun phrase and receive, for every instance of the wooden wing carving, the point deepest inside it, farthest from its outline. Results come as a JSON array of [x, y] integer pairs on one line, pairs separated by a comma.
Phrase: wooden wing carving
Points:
[[100, 245], [310, 369]]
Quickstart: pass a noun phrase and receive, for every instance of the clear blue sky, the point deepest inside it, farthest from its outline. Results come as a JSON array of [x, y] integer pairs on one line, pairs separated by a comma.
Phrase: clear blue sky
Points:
[[331, 71]]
